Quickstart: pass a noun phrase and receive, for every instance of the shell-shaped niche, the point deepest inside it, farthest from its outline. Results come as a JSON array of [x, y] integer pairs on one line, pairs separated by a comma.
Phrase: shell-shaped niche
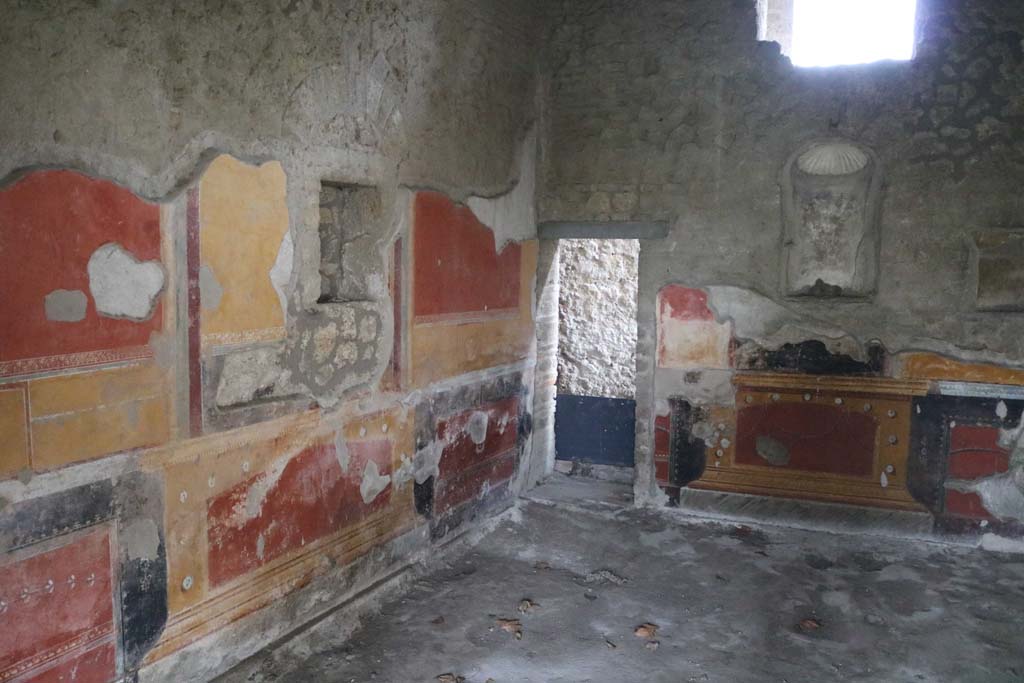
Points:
[[832, 158]]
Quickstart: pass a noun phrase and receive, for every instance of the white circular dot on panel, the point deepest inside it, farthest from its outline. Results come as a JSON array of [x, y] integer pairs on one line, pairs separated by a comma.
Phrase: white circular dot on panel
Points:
[[211, 481], [893, 440], [719, 453], [725, 443], [384, 428], [186, 583], [807, 397], [362, 431], [867, 407], [839, 401], [183, 496], [891, 412], [890, 469], [749, 399], [246, 466], [775, 397]]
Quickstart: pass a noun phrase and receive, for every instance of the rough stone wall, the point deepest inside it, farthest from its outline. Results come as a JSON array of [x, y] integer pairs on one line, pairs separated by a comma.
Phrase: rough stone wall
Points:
[[177, 384], [597, 317], [678, 103]]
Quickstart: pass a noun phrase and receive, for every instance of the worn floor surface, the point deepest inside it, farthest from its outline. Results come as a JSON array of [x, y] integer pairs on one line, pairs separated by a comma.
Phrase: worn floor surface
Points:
[[731, 604]]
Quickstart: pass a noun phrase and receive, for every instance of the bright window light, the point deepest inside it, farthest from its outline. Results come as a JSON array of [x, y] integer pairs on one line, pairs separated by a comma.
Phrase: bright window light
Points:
[[834, 32]]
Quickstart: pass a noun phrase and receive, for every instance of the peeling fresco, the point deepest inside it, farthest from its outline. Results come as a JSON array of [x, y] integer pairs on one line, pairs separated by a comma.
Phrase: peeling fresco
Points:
[[162, 359], [38, 213], [58, 604], [459, 274], [478, 452], [688, 334], [243, 219], [267, 516]]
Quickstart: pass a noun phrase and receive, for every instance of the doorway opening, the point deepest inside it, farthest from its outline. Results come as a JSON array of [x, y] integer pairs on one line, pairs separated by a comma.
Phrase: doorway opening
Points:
[[597, 331]]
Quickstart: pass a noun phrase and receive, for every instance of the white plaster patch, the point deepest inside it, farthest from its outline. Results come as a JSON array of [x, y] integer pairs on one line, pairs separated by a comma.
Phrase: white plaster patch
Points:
[[477, 427], [758, 318], [261, 546], [1002, 496], [427, 461], [405, 472], [1001, 544], [373, 482], [65, 305], [511, 215], [255, 497], [121, 285], [140, 539], [341, 452], [281, 271], [1001, 410], [210, 290]]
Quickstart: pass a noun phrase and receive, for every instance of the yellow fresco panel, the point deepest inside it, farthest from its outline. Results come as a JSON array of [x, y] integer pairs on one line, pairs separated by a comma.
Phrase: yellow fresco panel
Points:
[[439, 351], [13, 431], [932, 366], [243, 214], [88, 415], [87, 390], [74, 437]]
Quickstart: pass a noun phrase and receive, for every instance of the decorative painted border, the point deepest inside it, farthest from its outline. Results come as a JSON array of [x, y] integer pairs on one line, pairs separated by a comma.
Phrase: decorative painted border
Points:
[[85, 359]]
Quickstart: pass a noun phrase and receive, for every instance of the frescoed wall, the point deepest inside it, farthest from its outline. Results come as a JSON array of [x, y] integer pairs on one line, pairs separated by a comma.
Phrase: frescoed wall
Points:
[[749, 407], [471, 304], [84, 284], [169, 464], [243, 220]]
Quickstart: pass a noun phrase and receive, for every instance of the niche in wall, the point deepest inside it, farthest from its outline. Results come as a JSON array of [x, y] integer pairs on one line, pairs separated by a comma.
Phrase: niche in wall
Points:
[[1000, 267], [830, 202], [347, 213]]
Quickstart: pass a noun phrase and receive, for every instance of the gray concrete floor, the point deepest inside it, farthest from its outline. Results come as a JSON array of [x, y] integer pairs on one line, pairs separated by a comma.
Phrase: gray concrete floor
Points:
[[731, 604]]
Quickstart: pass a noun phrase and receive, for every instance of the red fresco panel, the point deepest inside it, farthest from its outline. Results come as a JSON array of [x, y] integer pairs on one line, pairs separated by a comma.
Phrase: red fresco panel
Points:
[[684, 303], [963, 504], [818, 438], [51, 222], [662, 434], [461, 452], [195, 372], [98, 665], [44, 622], [661, 471], [974, 452], [974, 437], [491, 474], [264, 518], [467, 467], [456, 269]]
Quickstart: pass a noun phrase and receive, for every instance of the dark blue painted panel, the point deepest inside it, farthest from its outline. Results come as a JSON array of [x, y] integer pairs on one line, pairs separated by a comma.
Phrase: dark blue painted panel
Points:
[[595, 430]]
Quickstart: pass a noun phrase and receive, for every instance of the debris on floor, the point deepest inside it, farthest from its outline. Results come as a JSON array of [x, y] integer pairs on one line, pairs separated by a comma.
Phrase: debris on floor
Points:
[[647, 630], [526, 606], [513, 626], [809, 624], [950, 613], [604, 576]]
